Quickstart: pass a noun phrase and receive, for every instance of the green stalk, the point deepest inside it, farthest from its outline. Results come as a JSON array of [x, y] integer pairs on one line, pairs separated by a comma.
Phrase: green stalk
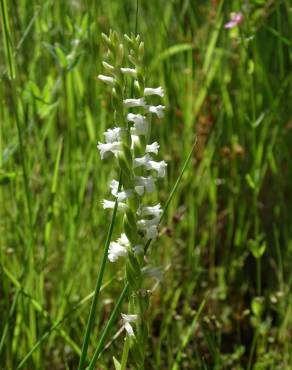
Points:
[[125, 353], [7, 40], [97, 289], [108, 326]]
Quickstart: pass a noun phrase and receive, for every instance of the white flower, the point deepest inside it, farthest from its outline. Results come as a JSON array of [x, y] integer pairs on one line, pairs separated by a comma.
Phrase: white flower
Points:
[[112, 135], [144, 183], [150, 227], [115, 251], [160, 167], [147, 223], [107, 79], [136, 118], [152, 148], [151, 232], [139, 189], [158, 91], [158, 110], [122, 195], [108, 204], [141, 161], [130, 103], [127, 319], [114, 185], [155, 211], [114, 147], [147, 162], [124, 240], [141, 125], [119, 248], [129, 71]]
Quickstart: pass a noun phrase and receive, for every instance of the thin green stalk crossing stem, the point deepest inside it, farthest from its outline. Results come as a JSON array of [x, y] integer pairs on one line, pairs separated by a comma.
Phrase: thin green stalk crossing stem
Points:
[[171, 195], [97, 288], [169, 199], [108, 326]]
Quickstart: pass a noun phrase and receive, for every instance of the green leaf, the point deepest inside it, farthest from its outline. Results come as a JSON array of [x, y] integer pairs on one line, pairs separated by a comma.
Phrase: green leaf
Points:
[[257, 306], [6, 177], [175, 49], [61, 57], [250, 181], [117, 364], [257, 248]]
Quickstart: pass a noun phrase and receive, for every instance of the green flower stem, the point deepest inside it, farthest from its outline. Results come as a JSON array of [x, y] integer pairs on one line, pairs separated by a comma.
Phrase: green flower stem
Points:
[[97, 289], [108, 326], [125, 353]]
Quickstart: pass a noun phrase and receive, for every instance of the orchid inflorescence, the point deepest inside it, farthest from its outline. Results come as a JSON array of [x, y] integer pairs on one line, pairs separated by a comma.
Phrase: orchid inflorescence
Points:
[[128, 142]]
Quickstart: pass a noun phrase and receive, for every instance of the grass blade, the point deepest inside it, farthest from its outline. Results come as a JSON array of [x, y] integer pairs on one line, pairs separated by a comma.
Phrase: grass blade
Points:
[[7, 40], [97, 288]]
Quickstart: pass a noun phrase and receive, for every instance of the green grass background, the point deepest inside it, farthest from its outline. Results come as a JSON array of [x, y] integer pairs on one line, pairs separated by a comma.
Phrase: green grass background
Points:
[[226, 242]]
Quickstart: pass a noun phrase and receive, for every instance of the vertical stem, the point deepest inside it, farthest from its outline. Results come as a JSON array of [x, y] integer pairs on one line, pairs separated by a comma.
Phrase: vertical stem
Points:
[[125, 353], [108, 326], [259, 279], [97, 289]]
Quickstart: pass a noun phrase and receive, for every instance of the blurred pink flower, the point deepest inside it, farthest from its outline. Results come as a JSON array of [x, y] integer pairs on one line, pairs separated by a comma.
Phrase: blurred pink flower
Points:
[[235, 19]]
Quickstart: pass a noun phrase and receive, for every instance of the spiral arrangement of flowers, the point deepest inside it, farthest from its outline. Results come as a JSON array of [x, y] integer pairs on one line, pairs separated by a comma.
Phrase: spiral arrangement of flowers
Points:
[[127, 141]]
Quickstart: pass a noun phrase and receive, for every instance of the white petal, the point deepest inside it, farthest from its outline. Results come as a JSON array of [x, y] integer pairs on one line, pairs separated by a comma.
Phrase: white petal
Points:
[[129, 329], [160, 167], [122, 195], [152, 148], [139, 190], [123, 240], [129, 318], [158, 110], [108, 204], [114, 147], [141, 124], [151, 232], [129, 71], [116, 250], [112, 135], [156, 91], [114, 185], [107, 79], [155, 211], [130, 103], [147, 223], [147, 182], [150, 227], [141, 161]]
